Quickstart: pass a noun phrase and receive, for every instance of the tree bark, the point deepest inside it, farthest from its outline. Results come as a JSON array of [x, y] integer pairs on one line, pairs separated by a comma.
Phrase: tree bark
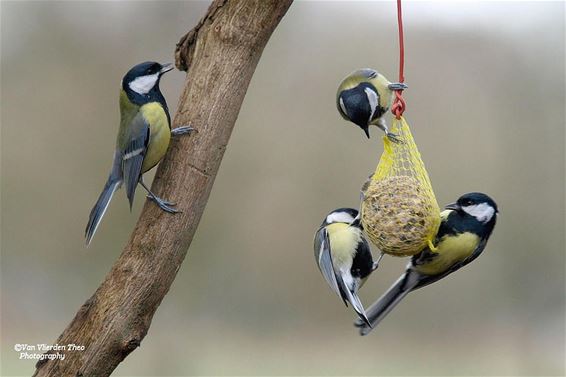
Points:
[[221, 54]]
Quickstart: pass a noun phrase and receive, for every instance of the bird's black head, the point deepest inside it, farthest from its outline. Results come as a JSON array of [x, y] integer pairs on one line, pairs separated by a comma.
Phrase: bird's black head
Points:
[[341, 215], [476, 204], [142, 81], [360, 105]]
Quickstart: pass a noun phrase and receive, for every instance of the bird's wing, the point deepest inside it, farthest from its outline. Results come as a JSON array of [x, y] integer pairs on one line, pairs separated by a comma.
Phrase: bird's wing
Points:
[[333, 277], [348, 295], [324, 260], [373, 99], [133, 154]]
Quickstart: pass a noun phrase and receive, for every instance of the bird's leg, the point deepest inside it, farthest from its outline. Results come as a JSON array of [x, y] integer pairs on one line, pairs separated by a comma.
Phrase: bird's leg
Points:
[[152, 196], [182, 130], [376, 263], [163, 204], [391, 136]]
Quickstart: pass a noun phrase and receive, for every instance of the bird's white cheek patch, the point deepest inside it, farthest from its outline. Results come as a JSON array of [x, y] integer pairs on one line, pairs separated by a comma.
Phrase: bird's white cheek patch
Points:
[[339, 217], [143, 84], [343, 107], [482, 212], [372, 99]]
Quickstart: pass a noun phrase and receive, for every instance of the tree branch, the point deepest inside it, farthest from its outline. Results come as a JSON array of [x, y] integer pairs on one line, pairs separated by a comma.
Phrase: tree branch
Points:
[[221, 54]]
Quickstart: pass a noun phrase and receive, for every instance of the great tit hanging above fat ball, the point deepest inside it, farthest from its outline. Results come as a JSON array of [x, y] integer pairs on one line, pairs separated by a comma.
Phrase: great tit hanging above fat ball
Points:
[[463, 234], [344, 257], [143, 138], [364, 96]]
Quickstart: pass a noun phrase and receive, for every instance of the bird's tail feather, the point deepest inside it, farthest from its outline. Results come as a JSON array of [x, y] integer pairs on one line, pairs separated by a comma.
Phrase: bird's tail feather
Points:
[[359, 308], [351, 296], [97, 212], [378, 310]]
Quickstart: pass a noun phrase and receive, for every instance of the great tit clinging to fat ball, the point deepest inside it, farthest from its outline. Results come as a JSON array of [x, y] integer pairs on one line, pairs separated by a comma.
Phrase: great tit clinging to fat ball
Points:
[[463, 234], [343, 256], [143, 138], [364, 96]]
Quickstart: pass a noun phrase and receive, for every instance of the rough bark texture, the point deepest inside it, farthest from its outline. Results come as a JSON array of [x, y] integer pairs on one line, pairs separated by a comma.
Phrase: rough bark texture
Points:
[[221, 54]]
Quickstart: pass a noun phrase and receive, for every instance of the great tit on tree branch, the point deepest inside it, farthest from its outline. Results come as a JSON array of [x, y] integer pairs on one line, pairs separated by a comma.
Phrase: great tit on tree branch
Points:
[[463, 234], [143, 138], [364, 96], [343, 256]]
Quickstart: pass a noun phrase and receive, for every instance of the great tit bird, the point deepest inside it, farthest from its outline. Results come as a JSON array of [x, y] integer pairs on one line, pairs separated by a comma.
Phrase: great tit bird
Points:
[[143, 138], [464, 230], [364, 96], [343, 256]]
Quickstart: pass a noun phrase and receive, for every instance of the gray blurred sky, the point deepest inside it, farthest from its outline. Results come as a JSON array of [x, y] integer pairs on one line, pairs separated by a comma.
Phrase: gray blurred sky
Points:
[[486, 106]]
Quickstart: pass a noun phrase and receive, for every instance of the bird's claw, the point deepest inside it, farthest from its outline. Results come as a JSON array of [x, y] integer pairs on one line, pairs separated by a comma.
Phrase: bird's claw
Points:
[[359, 323], [362, 327], [167, 208], [394, 138], [182, 130], [165, 205], [376, 263], [163, 201]]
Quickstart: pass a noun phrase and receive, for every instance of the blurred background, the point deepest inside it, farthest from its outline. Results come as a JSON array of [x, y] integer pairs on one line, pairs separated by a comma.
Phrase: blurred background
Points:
[[486, 106]]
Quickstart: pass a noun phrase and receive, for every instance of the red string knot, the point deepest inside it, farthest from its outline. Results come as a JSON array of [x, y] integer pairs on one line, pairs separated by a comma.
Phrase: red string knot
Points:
[[399, 105]]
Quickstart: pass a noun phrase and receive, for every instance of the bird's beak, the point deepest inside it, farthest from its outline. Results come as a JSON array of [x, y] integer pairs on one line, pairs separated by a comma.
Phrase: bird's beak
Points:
[[356, 223], [166, 67], [453, 206], [397, 86], [366, 130]]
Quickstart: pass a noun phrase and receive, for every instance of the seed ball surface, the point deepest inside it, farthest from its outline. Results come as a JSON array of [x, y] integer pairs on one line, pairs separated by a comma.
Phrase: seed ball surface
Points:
[[397, 215]]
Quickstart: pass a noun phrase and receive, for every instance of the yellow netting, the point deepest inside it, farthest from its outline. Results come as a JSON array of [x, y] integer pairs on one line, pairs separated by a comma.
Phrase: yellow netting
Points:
[[399, 210]]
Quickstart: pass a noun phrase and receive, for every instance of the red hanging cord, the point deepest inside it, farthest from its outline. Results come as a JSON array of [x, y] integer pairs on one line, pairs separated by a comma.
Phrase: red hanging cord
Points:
[[399, 103]]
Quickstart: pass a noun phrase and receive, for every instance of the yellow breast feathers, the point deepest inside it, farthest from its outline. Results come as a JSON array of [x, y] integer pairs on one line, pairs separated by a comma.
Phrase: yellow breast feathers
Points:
[[343, 242], [451, 249], [159, 134]]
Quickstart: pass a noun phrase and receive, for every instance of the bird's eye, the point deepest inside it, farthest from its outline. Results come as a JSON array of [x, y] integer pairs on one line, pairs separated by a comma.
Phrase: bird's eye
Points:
[[467, 202]]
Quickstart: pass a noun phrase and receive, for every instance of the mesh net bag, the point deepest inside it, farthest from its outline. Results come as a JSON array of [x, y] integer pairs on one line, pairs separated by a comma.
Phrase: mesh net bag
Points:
[[400, 214]]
